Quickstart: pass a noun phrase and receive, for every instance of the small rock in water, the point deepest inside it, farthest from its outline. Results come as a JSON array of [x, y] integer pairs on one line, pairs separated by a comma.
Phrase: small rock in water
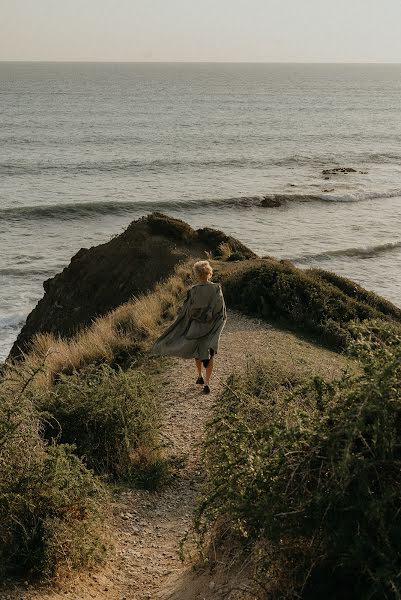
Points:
[[337, 170], [270, 202]]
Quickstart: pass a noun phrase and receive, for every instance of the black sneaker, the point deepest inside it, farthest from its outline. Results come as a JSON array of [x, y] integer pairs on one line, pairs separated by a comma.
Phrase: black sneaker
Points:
[[206, 389], [200, 381]]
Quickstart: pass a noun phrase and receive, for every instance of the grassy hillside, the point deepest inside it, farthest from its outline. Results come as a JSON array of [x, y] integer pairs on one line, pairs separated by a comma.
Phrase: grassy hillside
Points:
[[78, 412]]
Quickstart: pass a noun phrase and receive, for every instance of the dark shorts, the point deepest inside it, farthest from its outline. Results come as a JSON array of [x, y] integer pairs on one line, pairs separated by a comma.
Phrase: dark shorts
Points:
[[206, 362]]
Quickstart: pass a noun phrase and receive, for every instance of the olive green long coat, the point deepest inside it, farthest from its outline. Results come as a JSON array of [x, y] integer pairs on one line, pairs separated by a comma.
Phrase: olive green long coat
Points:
[[198, 325]]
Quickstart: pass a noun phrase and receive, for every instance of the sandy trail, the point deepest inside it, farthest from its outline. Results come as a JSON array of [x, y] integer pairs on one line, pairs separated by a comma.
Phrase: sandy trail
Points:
[[157, 522], [149, 526]]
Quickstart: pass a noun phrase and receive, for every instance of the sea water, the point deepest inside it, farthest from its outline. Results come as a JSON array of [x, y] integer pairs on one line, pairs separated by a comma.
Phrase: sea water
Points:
[[85, 148]]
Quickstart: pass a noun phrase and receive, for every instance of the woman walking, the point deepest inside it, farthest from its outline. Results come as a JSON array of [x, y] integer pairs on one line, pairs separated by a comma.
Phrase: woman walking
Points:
[[196, 331]]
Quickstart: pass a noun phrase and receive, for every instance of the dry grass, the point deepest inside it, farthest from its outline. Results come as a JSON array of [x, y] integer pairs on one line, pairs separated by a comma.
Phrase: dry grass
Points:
[[225, 250], [130, 328]]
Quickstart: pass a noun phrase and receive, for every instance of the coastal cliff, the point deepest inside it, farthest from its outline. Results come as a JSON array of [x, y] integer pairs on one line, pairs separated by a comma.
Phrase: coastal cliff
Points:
[[100, 278]]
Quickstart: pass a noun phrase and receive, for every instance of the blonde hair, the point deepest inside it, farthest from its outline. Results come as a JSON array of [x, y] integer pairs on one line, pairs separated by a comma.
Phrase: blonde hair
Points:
[[202, 268]]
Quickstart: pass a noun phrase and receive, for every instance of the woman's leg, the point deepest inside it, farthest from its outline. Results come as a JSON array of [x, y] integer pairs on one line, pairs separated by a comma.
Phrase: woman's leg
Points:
[[198, 363], [209, 371]]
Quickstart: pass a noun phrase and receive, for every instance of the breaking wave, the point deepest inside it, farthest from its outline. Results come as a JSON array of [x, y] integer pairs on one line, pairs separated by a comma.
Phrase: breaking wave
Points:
[[15, 272], [12, 321], [362, 252], [82, 210]]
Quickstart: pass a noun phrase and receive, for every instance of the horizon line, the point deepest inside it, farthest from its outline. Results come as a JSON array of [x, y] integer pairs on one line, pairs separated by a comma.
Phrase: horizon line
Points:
[[208, 62]]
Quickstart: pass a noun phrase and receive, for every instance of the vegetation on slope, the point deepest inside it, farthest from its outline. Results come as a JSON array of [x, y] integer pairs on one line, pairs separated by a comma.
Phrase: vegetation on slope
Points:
[[119, 338], [69, 406], [50, 504], [92, 404], [327, 307], [113, 419], [307, 476]]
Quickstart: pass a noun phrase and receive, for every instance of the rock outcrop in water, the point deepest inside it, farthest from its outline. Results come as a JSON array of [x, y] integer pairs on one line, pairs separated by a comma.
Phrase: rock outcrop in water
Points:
[[271, 202], [337, 170], [101, 278]]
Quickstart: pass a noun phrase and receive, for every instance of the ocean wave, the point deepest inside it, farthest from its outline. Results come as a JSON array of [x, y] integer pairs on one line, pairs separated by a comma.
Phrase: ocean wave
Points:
[[383, 157], [335, 197], [358, 252], [15, 272], [358, 196], [12, 321], [130, 166], [82, 210], [126, 166]]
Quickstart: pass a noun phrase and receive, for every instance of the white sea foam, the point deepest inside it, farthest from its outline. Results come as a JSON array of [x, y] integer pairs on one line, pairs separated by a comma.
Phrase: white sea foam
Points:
[[359, 196], [12, 321]]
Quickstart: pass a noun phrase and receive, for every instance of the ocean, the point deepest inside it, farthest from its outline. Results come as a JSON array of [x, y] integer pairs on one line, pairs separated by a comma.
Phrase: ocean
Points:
[[85, 148]]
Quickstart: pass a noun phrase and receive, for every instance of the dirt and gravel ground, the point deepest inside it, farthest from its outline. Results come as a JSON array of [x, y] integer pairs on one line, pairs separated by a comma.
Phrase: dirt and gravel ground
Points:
[[148, 527]]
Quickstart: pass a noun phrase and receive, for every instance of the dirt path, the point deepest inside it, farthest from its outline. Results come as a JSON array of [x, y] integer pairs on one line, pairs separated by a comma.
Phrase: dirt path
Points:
[[149, 526], [152, 525]]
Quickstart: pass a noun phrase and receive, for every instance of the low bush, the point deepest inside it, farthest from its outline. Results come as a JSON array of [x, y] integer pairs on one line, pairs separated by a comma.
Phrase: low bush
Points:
[[236, 256], [276, 290], [111, 416], [50, 504], [161, 224], [307, 476], [353, 290]]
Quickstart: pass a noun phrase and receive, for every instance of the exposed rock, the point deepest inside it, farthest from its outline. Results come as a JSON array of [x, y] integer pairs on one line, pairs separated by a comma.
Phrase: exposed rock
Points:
[[271, 202], [337, 170], [327, 191], [101, 278]]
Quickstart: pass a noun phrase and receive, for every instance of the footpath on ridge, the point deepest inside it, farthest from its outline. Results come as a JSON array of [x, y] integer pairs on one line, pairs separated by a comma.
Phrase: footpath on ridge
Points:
[[148, 526]]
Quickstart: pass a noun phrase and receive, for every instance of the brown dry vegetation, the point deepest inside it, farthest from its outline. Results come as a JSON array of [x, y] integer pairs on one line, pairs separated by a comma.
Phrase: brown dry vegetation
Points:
[[118, 336]]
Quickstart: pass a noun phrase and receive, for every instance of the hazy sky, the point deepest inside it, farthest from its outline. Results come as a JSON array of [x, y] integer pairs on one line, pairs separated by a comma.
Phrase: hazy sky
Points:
[[201, 30]]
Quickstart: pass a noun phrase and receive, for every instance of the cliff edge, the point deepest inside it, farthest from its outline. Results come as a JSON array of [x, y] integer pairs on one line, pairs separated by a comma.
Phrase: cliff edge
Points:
[[101, 278]]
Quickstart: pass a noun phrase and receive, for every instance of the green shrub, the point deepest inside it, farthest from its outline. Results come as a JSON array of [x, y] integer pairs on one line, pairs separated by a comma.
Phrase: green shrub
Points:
[[111, 416], [279, 291], [353, 290], [236, 256], [161, 224], [309, 479], [50, 504]]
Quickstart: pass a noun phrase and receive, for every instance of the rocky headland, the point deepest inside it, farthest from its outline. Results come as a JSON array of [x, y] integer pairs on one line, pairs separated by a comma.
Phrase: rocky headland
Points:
[[100, 278]]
